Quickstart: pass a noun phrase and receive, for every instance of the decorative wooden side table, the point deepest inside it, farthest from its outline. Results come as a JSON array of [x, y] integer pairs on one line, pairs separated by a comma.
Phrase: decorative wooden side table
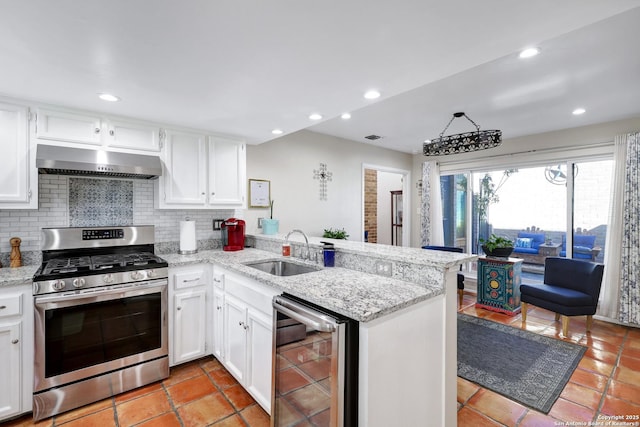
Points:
[[499, 284]]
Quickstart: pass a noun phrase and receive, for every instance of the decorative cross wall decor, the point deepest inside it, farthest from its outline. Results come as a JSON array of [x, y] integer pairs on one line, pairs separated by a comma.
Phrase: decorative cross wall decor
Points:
[[324, 176]]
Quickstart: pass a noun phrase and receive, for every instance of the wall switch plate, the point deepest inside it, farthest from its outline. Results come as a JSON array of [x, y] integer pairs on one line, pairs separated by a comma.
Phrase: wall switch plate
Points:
[[260, 222], [217, 224], [384, 268]]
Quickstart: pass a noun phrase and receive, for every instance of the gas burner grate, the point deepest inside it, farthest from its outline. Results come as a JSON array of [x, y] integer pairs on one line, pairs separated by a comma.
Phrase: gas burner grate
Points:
[[67, 265], [102, 262], [142, 258]]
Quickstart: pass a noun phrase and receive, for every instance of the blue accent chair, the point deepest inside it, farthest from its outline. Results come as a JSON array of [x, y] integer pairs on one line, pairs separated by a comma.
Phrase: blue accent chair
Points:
[[460, 275], [571, 288]]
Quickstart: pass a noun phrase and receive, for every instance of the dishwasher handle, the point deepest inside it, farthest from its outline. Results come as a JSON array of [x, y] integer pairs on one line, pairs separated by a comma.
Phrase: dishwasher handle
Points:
[[315, 319]]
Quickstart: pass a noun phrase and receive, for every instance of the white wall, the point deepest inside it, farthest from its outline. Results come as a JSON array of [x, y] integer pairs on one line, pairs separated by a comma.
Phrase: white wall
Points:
[[289, 162], [579, 136], [387, 182]]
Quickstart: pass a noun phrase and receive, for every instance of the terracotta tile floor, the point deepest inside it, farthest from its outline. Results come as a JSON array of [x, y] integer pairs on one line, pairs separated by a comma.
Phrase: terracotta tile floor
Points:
[[200, 393], [606, 381]]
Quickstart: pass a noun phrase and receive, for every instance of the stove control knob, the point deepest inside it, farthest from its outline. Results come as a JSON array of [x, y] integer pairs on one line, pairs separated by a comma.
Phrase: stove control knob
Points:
[[151, 273], [108, 278], [137, 275], [78, 283], [58, 285]]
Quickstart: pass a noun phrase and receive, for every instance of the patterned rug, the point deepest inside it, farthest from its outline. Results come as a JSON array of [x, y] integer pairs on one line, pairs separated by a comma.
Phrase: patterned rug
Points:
[[525, 367]]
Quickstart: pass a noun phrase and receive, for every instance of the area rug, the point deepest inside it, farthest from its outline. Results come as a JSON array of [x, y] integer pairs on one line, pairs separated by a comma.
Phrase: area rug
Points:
[[525, 367]]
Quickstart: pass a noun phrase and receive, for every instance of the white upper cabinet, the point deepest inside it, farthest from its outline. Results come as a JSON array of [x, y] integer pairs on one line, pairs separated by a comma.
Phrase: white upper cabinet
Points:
[[69, 127], [201, 172], [227, 172], [18, 174], [125, 134], [184, 180]]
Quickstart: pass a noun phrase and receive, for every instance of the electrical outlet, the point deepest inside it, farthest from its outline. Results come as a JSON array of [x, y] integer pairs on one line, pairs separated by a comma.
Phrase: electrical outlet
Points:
[[217, 224], [260, 222], [383, 268]]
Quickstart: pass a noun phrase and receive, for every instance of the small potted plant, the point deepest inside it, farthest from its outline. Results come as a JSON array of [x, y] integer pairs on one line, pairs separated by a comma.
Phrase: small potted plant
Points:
[[496, 246], [270, 225], [335, 234]]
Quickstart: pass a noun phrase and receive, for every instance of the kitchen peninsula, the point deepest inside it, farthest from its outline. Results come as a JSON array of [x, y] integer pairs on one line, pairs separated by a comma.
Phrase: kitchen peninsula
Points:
[[407, 360]]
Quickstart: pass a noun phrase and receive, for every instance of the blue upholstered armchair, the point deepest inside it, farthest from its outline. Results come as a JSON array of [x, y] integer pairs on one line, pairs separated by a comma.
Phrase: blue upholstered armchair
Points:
[[571, 288], [460, 274]]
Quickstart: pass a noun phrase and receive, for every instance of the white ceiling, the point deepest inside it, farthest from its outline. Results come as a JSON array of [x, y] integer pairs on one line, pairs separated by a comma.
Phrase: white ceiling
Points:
[[246, 67]]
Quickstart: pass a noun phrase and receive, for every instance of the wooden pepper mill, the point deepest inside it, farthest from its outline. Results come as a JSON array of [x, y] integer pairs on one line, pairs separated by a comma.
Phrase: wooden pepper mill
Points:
[[15, 257]]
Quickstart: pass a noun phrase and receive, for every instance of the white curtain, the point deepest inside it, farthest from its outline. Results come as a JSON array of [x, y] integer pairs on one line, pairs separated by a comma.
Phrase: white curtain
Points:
[[610, 293], [432, 232]]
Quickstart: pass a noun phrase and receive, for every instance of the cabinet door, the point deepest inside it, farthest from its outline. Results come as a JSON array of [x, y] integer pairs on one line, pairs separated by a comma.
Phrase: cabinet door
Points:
[[189, 333], [227, 172], [260, 342], [218, 324], [123, 134], [17, 170], [235, 345], [184, 181], [70, 127], [10, 369]]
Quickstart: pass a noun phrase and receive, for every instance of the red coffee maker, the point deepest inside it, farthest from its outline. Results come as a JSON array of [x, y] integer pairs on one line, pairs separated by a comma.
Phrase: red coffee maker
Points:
[[232, 234]]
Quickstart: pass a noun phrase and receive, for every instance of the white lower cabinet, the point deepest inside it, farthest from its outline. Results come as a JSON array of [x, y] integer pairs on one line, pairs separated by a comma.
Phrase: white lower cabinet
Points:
[[16, 351], [247, 334], [189, 315]]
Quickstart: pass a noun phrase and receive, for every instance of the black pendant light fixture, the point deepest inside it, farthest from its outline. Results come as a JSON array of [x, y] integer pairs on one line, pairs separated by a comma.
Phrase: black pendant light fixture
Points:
[[462, 142]]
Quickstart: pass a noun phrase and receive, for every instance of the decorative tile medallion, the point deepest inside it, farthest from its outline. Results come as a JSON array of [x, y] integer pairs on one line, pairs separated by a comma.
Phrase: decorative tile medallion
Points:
[[100, 202]]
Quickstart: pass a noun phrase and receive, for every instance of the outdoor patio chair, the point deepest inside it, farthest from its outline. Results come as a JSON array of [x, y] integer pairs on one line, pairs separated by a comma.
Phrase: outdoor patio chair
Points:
[[460, 274], [571, 288]]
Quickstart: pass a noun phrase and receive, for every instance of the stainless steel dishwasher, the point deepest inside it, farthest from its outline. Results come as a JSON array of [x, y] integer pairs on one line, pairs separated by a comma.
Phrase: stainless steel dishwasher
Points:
[[315, 365]]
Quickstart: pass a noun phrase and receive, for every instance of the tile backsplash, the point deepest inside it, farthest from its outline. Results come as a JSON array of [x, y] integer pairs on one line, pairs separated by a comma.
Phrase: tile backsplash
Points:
[[100, 202], [71, 201]]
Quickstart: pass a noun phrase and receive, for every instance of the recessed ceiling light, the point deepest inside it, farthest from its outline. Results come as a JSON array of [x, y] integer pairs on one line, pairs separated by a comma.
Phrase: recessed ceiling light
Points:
[[345, 116], [528, 53], [315, 116], [578, 111], [372, 94], [108, 97], [277, 132]]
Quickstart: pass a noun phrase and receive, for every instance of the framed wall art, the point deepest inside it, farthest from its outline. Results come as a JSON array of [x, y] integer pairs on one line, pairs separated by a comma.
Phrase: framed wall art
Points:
[[259, 193]]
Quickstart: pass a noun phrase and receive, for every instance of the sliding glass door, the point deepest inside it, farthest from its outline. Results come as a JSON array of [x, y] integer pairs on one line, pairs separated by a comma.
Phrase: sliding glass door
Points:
[[543, 209]]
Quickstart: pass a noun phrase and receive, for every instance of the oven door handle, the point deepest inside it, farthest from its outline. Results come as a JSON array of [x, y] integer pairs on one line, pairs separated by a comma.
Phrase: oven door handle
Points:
[[304, 315], [44, 299]]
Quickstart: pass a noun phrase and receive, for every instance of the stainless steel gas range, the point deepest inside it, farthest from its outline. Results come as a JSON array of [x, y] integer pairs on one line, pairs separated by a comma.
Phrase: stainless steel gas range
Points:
[[100, 316]]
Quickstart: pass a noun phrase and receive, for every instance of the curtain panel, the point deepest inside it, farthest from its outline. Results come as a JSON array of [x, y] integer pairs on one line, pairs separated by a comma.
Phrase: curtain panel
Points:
[[431, 231], [630, 253]]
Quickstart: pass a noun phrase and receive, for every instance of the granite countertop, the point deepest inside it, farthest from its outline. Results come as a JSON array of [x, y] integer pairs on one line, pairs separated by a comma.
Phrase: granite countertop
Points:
[[17, 275], [356, 294], [360, 296]]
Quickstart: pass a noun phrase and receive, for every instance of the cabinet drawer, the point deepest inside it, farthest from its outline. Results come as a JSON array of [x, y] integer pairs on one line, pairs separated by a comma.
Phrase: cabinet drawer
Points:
[[218, 281], [189, 279], [10, 305], [251, 293]]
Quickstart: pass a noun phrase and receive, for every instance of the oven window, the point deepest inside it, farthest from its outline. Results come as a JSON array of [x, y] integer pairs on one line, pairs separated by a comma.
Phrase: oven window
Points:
[[90, 334]]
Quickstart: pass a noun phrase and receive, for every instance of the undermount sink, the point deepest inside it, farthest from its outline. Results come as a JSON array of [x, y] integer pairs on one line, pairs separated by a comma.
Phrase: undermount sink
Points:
[[282, 268]]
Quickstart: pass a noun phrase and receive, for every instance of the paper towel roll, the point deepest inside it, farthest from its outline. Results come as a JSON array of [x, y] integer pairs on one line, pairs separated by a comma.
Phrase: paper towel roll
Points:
[[187, 237]]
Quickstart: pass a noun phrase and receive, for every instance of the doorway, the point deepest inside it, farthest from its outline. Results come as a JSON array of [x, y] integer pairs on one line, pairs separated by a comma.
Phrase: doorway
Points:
[[385, 215]]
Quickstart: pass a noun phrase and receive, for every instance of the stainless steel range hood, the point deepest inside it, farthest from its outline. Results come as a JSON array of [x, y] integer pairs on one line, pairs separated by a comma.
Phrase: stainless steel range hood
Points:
[[78, 161]]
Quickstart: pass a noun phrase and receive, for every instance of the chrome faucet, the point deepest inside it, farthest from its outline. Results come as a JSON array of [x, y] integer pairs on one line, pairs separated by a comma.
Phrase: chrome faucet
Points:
[[302, 255]]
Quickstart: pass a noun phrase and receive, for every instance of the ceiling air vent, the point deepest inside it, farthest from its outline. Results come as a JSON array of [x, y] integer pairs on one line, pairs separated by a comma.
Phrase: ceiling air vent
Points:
[[373, 137]]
